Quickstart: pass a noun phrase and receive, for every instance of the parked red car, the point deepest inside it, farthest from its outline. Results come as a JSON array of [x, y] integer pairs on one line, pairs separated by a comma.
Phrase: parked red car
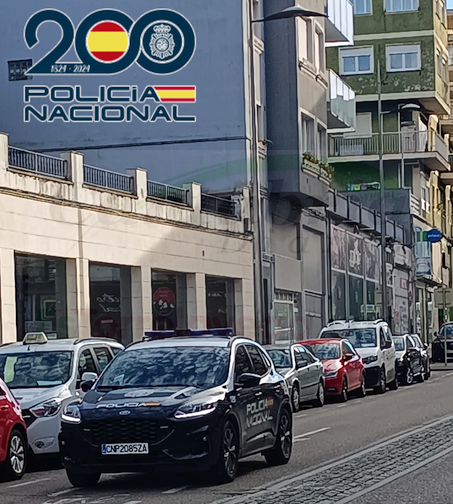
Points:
[[343, 366], [13, 435]]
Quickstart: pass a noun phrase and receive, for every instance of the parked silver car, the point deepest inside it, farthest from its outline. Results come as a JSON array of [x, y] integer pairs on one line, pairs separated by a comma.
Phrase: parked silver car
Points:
[[303, 372]]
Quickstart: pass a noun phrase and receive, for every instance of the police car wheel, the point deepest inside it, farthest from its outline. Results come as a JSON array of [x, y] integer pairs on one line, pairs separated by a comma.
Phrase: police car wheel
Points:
[[79, 480], [227, 465], [421, 376], [281, 452]]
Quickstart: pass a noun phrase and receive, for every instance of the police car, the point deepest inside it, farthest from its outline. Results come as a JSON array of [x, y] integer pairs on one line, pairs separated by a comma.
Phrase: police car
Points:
[[179, 400]]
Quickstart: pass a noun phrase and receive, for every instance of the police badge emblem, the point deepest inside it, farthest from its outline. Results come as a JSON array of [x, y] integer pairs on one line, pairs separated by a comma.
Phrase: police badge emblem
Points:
[[162, 44]]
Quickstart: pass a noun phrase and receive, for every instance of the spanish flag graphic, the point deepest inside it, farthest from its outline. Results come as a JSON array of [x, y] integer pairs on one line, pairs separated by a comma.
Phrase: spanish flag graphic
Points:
[[107, 41], [177, 94]]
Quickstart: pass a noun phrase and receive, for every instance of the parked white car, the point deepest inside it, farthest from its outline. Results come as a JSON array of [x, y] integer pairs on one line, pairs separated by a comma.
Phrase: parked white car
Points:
[[373, 342], [45, 375]]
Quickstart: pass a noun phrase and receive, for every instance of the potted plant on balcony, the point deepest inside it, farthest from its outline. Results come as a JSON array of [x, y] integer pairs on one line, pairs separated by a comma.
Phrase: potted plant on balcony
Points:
[[311, 163]]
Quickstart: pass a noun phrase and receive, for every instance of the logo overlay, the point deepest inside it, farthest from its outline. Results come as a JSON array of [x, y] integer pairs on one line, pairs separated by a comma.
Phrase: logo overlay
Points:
[[108, 42]]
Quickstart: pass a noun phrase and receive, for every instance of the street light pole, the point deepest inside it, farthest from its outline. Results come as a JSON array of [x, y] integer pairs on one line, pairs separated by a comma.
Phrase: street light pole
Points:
[[256, 198], [382, 198]]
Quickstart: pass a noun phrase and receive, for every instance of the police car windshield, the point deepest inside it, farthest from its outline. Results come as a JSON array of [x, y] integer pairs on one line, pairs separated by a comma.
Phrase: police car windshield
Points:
[[203, 367], [360, 338], [280, 358], [325, 351], [35, 369]]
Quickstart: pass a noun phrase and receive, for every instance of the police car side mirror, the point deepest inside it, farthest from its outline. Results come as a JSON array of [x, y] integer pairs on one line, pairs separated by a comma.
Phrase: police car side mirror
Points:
[[425, 346], [388, 344], [87, 385], [248, 380]]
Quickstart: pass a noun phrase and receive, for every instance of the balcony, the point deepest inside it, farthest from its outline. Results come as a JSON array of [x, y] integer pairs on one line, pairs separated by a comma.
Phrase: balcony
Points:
[[340, 23], [426, 145], [345, 208], [341, 105], [446, 122]]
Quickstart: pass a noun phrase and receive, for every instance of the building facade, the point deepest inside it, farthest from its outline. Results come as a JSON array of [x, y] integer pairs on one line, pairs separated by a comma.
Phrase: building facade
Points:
[[87, 252], [400, 56]]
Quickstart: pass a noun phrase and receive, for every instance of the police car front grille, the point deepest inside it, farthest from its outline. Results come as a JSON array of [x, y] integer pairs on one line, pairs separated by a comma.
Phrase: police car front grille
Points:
[[125, 431]]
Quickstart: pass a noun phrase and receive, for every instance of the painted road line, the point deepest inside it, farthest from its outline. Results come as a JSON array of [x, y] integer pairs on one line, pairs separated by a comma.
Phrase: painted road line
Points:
[[302, 439], [26, 483], [62, 492], [175, 490], [300, 436], [341, 405], [448, 374], [302, 415]]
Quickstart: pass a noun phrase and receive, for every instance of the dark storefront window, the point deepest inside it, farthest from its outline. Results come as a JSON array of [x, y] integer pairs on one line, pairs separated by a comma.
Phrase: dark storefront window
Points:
[[169, 300], [110, 302], [371, 308], [338, 295], [356, 297], [219, 302], [41, 296]]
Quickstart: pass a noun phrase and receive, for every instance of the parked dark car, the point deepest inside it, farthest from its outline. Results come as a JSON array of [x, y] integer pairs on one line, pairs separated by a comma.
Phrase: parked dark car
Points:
[[438, 353], [409, 359], [423, 347]]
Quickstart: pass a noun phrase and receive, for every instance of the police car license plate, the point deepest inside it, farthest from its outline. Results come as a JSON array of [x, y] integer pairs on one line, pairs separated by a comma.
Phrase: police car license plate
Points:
[[125, 449]]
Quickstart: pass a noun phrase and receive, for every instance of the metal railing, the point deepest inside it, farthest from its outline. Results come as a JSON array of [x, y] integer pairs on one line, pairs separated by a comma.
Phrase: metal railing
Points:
[[219, 206], [167, 192], [414, 204], [99, 177], [39, 163], [393, 143]]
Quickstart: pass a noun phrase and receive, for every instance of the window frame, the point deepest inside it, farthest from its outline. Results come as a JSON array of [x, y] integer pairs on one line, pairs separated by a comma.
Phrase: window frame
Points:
[[356, 52], [235, 374], [394, 11], [109, 353], [400, 49], [370, 2]]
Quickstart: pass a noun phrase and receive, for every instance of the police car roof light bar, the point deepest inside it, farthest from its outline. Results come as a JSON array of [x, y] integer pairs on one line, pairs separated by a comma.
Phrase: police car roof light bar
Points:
[[156, 335]]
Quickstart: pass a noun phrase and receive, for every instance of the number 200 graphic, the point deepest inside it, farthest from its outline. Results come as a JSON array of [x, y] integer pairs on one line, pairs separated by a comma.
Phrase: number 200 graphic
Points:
[[107, 42]]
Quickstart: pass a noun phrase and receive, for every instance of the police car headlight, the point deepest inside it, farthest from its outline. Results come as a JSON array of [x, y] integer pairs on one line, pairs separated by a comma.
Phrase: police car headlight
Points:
[[190, 410], [47, 408], [71, 414]]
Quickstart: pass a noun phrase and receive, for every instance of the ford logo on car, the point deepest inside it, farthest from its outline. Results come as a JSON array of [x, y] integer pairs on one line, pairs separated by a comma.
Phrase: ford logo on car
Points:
[[125, 412]]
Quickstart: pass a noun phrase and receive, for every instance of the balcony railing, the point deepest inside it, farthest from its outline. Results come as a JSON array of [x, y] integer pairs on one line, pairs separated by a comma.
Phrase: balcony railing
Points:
[[167, 192], [98, 177], [39, 163], [342, 103], [220, 206], [340, 23], [393, 143]]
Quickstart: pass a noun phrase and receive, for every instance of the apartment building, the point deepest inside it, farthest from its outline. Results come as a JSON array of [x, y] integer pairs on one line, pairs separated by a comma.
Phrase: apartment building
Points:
[[400, 56]]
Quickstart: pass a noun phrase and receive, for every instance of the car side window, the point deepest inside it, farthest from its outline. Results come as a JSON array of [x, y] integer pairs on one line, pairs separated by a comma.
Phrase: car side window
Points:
[[381, 338], [344, 349], [86, 363], [103, 356], [411, 342], [302, 354], [242, 362], [349, 348], [115, 350], [258, 362]]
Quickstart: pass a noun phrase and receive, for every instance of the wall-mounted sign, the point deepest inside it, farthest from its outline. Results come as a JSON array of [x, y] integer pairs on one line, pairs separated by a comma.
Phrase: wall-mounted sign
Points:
[[434, 236]]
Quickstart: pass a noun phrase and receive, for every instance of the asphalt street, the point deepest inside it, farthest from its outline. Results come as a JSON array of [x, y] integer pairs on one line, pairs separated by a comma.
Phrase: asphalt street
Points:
[[383, 448]]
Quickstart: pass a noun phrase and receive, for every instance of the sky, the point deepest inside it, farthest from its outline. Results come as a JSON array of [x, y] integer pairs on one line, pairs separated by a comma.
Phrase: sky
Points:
[[449, 4]]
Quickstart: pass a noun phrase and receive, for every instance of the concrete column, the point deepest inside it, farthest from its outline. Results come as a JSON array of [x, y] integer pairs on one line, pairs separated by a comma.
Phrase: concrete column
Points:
[[142, 316], [239, 306], [3, 159], [71, 298], [83, 298], [196, 301], [60, 298], [75, 160], [248, 307], [141, 188], [181, 301], [126, 305], [194, 200], [8, 333]]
